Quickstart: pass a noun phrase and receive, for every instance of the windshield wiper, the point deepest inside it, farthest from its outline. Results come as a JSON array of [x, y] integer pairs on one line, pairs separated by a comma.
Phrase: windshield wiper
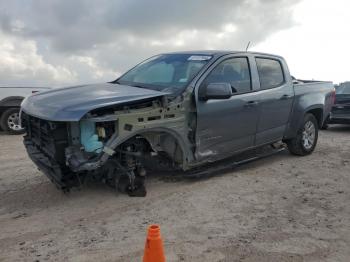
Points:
[[139, 86], [117, 82], [114, 82]]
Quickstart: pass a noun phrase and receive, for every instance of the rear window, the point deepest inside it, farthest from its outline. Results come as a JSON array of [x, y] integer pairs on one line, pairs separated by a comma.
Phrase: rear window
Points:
[[270, 73]]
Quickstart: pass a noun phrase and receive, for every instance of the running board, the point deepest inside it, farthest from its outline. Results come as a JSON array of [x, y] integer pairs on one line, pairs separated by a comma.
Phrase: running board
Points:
[[224, 167]]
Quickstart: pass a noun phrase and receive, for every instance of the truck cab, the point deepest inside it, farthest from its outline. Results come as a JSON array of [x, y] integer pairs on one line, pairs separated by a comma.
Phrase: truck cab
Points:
[[243, 101]]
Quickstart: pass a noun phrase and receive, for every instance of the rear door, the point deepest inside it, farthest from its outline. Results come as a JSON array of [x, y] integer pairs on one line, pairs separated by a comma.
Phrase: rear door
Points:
[[276, 99], [227, 125]]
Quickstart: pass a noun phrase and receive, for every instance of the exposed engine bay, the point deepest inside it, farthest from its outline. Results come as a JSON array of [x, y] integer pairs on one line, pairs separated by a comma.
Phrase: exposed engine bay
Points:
[[103, 144]]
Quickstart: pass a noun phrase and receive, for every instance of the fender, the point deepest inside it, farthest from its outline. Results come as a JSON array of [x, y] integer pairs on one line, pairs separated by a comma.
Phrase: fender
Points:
[[187, 153], [12, 101], [318, 107], [298, 117], [115, 141]]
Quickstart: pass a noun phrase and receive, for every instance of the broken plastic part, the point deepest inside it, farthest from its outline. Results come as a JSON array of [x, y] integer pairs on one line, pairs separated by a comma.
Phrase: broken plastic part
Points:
[[108, 150], [101, 132]]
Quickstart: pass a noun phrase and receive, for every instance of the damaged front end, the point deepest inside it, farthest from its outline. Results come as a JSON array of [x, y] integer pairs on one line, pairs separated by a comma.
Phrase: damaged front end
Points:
[[115, 145]]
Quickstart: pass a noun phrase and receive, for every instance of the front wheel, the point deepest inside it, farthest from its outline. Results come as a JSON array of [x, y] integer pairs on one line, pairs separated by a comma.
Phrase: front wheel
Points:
[[306, 139], [9, 121]]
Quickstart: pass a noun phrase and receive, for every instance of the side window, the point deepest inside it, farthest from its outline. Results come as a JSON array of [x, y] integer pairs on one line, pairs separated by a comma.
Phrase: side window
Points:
[[234, 71], [270, 73]]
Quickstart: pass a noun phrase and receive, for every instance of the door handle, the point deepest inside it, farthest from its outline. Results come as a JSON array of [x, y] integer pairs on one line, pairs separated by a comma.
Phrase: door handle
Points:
[[285, 97], [251, 104]]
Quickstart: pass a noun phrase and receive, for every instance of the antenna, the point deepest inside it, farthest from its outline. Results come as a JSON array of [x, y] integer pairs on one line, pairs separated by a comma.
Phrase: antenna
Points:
[[246, 49]]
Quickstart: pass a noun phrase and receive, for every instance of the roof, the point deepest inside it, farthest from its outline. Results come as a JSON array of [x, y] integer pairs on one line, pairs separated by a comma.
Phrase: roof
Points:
[[32, 87], [219, 52]]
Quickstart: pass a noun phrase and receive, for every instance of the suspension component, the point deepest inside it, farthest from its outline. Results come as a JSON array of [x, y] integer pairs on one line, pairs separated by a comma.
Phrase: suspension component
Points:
[[132, 174]]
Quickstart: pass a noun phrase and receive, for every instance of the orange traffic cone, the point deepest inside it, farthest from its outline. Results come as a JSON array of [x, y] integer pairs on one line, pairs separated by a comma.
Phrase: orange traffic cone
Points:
[[154, 245]]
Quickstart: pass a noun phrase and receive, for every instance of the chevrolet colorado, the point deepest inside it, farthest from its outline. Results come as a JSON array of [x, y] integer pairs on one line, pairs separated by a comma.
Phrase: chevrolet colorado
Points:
[[180, 110]]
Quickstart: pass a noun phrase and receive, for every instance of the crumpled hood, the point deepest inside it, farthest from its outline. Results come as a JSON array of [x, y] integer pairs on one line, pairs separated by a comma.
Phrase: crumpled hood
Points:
[[72, 103]]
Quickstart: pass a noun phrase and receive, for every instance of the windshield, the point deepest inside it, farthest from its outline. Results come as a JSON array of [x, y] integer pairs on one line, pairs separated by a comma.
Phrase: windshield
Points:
[[169, 73], [343, 90]]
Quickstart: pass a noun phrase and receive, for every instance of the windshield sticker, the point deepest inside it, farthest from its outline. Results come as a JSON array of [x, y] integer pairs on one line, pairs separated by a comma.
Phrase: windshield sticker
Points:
[[199, 58]]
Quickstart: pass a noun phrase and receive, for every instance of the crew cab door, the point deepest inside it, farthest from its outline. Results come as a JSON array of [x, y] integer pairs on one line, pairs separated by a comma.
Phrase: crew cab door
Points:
[[226, 124], [276, 98]]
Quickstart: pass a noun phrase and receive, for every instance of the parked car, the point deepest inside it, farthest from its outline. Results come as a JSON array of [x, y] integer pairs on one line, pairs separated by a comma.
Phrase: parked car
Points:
[[10, 102], [341, 110], [181, 109]]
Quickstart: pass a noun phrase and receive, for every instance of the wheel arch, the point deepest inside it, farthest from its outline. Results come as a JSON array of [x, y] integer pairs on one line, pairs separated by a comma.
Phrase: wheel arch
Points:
[[12, 101], [316, 110], [318, 114], [161, 135]]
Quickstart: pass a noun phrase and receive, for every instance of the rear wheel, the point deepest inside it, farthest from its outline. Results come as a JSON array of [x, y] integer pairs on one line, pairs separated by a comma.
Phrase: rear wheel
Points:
[[306, 139], [9, 121]]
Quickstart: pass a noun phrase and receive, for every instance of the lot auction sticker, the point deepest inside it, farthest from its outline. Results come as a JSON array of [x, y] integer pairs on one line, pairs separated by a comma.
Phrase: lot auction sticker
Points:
[[199, 58]]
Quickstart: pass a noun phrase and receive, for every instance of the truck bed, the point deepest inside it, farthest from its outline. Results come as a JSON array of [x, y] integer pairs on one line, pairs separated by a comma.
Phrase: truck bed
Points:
[[310, 95], [315, 87]]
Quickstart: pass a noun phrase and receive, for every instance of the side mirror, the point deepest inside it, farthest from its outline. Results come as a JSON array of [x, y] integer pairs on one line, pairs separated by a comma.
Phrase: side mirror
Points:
[[215, 91]]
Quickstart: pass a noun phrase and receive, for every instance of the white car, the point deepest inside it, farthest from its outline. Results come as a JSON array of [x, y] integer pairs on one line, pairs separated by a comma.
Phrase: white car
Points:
[[10, 103]]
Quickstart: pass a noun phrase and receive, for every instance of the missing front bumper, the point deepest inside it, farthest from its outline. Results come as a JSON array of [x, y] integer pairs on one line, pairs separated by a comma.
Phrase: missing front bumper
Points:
[[60, 176]]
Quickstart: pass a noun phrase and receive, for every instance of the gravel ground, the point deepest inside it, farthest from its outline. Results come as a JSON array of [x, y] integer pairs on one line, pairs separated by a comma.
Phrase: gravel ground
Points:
[[282, 208]]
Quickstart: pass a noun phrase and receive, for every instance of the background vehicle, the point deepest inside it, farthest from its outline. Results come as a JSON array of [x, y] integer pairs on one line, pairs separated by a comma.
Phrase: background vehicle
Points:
[[181, 110], [341, 110], [10, 102]]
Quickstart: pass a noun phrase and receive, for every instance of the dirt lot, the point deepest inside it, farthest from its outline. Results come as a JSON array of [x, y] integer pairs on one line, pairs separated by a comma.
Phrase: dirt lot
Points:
[[283, 208]]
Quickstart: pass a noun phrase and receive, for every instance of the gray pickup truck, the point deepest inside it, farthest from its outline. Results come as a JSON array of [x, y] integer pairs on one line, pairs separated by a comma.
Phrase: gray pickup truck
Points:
[[181, 110]]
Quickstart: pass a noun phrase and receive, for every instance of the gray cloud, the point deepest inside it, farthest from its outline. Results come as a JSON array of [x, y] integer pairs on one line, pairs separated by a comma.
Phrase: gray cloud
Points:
[[85, 37]]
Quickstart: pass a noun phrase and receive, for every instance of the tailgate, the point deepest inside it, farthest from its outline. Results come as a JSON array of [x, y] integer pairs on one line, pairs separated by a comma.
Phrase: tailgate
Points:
[[342, 105]]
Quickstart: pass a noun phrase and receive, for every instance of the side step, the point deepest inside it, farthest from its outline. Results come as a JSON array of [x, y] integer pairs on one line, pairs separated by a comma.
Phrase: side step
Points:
[[209, 171]]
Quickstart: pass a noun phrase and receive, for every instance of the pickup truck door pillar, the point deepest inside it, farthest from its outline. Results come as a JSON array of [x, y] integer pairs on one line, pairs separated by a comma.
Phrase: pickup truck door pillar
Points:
[[225, 126], [276, 99]]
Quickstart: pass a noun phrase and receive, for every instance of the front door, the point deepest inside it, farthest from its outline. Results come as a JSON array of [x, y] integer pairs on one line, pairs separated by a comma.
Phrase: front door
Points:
[[227, 125]]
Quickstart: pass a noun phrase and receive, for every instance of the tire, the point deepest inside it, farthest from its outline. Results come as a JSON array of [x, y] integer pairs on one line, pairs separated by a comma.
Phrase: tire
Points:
[[9, 121], [306, 139]]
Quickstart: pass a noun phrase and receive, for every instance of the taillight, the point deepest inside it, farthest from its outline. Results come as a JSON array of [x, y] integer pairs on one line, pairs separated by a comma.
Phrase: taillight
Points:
[[333, 96]]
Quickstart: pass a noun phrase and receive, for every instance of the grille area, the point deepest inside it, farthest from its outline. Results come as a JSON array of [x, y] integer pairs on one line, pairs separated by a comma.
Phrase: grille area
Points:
[[50, 138], [45, 142]]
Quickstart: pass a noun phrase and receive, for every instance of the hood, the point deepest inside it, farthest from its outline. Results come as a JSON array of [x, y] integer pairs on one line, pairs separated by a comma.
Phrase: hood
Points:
[[72, 103]]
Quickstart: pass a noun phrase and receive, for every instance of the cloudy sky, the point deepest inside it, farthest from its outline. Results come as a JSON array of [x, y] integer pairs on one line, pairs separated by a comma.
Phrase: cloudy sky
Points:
[[59, 43]]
